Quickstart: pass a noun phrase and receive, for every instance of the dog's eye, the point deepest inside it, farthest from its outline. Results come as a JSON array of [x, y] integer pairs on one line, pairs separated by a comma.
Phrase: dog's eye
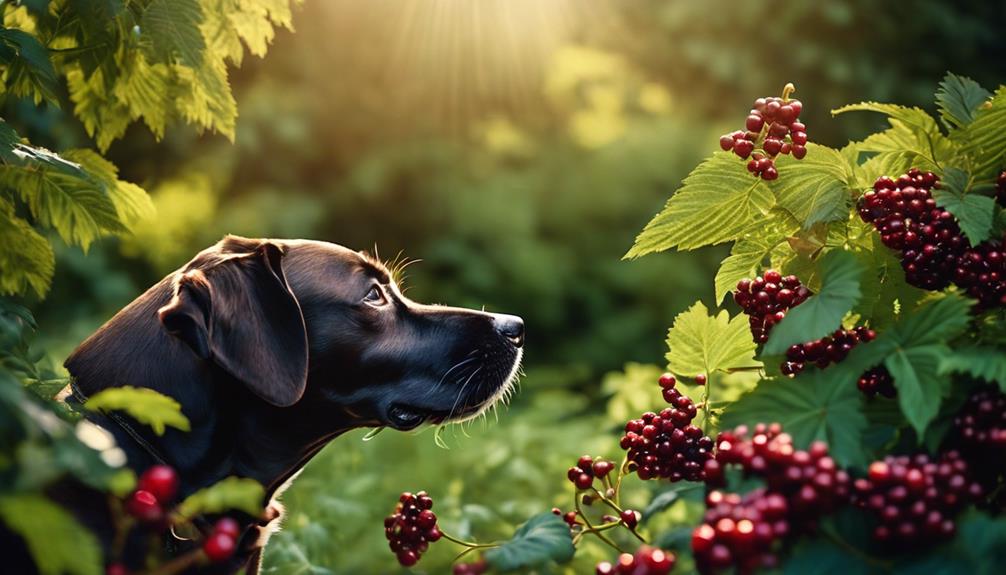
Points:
[[375, 296]]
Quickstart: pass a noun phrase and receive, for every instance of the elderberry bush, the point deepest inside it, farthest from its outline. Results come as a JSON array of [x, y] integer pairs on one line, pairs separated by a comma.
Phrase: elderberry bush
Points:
[[771, 128]]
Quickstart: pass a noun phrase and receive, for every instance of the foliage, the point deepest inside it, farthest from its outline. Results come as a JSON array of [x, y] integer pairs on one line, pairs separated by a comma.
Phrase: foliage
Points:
[[231, 493], [58, 542], [542, 538]]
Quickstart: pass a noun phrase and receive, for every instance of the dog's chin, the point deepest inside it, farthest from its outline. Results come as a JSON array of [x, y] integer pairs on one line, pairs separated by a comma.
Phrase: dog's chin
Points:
[[405, 416]]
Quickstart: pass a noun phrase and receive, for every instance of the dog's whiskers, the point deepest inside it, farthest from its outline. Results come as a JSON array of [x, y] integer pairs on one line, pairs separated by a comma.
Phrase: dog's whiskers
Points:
[[470, 358], [462, 391]]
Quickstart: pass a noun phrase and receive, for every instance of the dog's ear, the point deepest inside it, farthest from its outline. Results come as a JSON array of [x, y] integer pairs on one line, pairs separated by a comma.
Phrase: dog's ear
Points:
[[239, 312]]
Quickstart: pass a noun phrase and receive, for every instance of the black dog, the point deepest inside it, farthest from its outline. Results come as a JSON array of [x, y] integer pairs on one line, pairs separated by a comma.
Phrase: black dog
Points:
[[275, 347]]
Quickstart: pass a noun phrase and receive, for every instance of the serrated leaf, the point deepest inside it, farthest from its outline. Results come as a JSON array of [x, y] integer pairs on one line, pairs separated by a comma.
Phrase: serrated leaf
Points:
[[980, 362], [144, 405], [27, 259], [913, 131], [132, 204], [816, 188], [57, 542], [718, 202], [984, 139], [667, 498], [916, 340], [958, 98], [232, 493], [973, 213], [30, 73], [702, 344], [173, 29], [544, 538], [822, 313], [810, 408], [915, 374], [745, 261]]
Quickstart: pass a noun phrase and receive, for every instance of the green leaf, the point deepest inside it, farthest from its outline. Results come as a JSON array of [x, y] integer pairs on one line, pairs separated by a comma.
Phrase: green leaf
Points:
[[665, 499], [30, 73], [173, 29], [132, 204], [745, 261], [980, 362], [701, 344], [545, 537], [917, 345], [810, 407], [822, 557], [920, 386], [237, 493], [973, 212], [822, 313], [57, 542], [984, 139], [958, 98], [719, 202], [817, 188], [27, 259], [912, 131], [142, 404]]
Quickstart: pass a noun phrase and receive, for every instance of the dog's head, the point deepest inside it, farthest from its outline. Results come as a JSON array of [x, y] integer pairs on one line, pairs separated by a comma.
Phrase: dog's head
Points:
[[311, 321]]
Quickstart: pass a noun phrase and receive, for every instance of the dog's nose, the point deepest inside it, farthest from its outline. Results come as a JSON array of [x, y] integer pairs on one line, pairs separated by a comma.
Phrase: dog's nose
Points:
[[510, 327]]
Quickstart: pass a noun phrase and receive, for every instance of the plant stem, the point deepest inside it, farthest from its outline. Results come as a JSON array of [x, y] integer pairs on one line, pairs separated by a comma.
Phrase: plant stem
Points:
[[469, 544], [591, 528]]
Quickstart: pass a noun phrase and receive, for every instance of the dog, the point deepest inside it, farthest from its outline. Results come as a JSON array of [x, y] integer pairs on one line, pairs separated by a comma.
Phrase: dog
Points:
[[275, 347]]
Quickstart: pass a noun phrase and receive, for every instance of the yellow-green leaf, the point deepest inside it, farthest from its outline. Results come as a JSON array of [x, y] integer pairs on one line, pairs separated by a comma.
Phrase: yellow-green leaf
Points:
[[701, 344], [58, 543], [238, 493], [144, 405]]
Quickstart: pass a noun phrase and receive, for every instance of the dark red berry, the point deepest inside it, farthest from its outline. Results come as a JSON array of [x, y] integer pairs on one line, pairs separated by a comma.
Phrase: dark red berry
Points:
[[161, 481], [116, 569], [219, 546], [629, 518], [228, 526], [412, 527], [145, 507], [700, 379]]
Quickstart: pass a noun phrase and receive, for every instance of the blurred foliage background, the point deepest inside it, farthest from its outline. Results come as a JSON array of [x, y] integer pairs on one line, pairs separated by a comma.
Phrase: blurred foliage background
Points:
[[515, 147]]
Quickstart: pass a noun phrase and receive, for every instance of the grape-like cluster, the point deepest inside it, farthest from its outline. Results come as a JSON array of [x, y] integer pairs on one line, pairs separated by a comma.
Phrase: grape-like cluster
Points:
[[222, 541], [740, 532], [934, 251], [875, 381], [587, 469], [773, 124], [155, 490], [979, 433], [811, 482], [767, 298], [825, 351], [412, 527], [915, 499], [646, 561], [666, 444], [909, 221]]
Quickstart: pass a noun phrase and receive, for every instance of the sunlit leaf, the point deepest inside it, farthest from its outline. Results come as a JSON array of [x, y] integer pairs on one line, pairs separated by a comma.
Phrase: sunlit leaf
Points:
[[232, 493], [981, 362], [702, 344], [816, 188], [718, 202], [984, 139], [144, 405]]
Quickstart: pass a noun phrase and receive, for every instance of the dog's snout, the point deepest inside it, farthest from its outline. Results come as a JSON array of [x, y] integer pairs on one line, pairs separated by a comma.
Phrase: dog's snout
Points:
[[510, 327]]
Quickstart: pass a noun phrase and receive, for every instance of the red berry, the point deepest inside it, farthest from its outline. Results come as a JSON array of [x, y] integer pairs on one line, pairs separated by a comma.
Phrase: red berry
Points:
[[667, 381], [160, 480], [629, 518], [116, 569], [407, 558], [700, 379], [219, 546], [144, 506], [228, 526]]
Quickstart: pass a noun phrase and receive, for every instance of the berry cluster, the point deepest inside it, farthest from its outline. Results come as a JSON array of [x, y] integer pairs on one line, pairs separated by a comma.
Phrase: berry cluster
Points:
[[587, 469], [412, 527], [646, 561], [740, 531], [979, 433], [773, 123], [767, 298], [667, 445], [811, 482], [155, 490], [825, 351], [222, 540], [934, 251], [877, 380], [915, 499]]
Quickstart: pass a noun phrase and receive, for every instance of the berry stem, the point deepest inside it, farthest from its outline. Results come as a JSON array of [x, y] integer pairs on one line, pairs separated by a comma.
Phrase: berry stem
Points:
[[591, 529], [469, 544], [705, 405], [787, 91]]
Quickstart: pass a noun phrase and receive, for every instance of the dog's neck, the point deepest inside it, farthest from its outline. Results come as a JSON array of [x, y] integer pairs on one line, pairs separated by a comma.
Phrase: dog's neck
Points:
[[233, 432]]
